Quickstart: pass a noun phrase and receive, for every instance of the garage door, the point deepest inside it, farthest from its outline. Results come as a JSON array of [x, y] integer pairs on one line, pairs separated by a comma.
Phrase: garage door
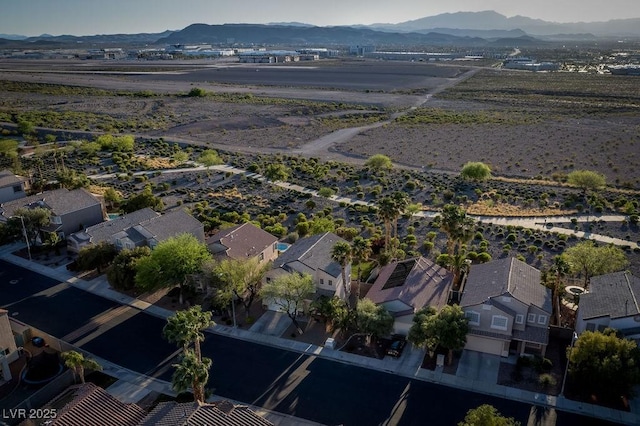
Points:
[[481, 344]]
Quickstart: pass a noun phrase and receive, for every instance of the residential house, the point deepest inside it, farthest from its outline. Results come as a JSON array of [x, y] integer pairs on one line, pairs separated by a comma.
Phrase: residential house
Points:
[[12, 187], [70, 210], [143, 227], [88, 404], [312, 255], [8, 349], [244, 241], [406, 286], [508, 308], [220, 413], [613, 301]]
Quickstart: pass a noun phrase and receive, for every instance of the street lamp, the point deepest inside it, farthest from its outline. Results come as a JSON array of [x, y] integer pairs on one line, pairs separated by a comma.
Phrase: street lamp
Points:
[[566, 370], [24, 232]]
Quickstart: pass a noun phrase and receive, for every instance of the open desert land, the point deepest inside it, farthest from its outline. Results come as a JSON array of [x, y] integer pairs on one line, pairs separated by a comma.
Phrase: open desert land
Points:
[[323, 120], [424, 115]]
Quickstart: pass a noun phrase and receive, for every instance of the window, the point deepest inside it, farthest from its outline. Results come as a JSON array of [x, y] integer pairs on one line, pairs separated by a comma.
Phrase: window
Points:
[[473, 317], [531, 318], [261, 257], [330, 282], [321, 281], [591, 326], [499, 322], [519, 319], [542, 319]]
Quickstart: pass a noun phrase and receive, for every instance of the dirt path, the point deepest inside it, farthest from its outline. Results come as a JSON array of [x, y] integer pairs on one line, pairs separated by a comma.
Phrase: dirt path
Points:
[[322, 147]]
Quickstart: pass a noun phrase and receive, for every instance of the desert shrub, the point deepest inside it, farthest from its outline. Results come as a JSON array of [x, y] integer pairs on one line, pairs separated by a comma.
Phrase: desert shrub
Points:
[[197, 92], [484, 257], [546, 380]]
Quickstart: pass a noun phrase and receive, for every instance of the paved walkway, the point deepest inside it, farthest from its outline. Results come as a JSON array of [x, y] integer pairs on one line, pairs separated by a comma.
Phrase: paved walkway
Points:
[[408, 365]]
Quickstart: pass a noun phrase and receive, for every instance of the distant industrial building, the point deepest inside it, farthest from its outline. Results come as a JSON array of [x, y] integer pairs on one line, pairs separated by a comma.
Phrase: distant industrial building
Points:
[[321, 52], [269, 57], [361, 50], [414, 56], [528, 64]]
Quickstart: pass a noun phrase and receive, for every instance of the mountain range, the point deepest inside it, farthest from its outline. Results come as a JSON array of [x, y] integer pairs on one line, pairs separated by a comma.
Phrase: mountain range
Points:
[[462, 28]]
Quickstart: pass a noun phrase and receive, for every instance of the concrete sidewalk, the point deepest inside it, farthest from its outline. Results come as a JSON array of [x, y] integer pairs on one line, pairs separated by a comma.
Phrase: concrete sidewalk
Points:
[[408, 365]]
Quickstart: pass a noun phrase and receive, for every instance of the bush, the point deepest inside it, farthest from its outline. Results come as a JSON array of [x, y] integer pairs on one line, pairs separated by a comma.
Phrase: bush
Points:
[[546, 380]]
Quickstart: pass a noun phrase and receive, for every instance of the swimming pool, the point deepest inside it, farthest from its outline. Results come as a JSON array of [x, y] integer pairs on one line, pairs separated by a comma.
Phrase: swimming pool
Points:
[[282, 247]]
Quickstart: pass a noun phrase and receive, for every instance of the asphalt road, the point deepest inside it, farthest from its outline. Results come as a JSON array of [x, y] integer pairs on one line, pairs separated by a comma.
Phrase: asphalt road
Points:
[[305, 386]]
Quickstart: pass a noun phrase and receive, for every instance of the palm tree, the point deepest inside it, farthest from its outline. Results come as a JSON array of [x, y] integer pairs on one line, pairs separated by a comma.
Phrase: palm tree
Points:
[[360, 250], [560, 268], [459, 264], [401, 202], [458, 227], [341, 253], [78, 363], [191, 372], [387, 211], [185, 327]]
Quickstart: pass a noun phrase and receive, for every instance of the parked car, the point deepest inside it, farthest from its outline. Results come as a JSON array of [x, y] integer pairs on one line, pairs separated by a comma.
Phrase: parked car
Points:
[[396, 347]]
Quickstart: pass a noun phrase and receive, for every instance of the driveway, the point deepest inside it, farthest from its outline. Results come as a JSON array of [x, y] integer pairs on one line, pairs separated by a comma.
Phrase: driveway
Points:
[[271, 323], [479, 366]]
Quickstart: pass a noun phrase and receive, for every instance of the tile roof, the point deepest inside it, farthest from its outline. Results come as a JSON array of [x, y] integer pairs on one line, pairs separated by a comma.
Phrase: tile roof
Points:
[[170, 224], [311, 254], [88, 404], [221, 413], [104, 230], [616, 295], [508, 275], [425, 284], [7, 178], [243, 241], [59, 201]]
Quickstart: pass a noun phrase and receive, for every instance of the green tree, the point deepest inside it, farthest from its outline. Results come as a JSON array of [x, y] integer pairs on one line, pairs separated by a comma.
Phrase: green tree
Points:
[[448, 329], [180, 157], [458, 227], [289, 291], [112, 198], [559, 269], [361, 251], [186, 328], [586, 180], [276, 172], [420, 333], [125, 143], [142, 200], [373, 320], [237, 279], [333, 311], [475, 171], [26, 128], [191, 372], [342, 254], [122, 274], [9, 148], [487, 415], [321, 224], [379, 162], [71, 179], [172, 262], [604, 364], [96, 256], [34, 220], [209, 158], [387, 211], [589, 260], [78, 363]]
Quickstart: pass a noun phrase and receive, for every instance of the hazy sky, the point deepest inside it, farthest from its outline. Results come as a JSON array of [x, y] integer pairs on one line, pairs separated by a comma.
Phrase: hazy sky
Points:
[[83, 17]]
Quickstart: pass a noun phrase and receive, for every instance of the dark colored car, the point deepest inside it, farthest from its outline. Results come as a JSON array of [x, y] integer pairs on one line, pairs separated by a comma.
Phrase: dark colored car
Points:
[[396, 347]]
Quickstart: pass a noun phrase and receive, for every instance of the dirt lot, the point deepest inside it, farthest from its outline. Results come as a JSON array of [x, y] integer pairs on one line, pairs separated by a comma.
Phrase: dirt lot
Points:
[[555, 133]]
